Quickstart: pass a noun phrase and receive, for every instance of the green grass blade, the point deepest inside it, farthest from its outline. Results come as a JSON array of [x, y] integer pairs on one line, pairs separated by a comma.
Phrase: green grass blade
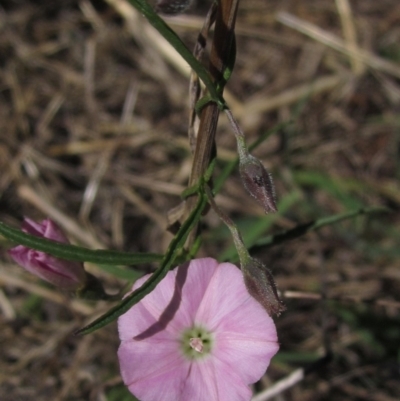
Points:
[[340, 188], [302, 229], [259, 226]]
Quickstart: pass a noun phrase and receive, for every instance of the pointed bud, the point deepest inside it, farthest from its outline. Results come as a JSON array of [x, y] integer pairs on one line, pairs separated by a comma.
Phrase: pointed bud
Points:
[[64, 274], [261, 286], [258, 182]]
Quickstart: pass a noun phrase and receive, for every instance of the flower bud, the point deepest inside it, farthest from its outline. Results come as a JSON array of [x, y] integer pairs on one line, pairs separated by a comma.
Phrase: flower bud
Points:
[[261, 286], [258, 182], [65, 274]]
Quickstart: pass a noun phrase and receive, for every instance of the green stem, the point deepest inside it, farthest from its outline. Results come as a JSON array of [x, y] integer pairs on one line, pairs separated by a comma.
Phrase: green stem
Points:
[[241, 249], [159, 24], [167, 263]]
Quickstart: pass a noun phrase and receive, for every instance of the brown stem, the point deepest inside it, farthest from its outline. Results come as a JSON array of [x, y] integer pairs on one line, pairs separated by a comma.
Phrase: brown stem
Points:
[[219, 59]]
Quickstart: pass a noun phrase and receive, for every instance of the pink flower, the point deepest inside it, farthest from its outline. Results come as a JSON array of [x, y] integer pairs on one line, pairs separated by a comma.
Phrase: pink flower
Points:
[[62, 273], [199, 336]]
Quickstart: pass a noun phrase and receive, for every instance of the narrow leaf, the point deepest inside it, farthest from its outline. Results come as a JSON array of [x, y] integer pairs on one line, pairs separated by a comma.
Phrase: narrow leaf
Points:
[[175, 246], [76, 253], [302, 229], [180, 47]]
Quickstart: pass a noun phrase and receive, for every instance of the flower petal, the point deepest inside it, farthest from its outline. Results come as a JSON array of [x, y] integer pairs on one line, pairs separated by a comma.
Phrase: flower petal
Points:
[[225, 294], [200, 273], [31, 227], [202, 293], [62, 273], [245, 335], [164, 307], [249, 357], [46, 229], [157, 311], [211, 380], [153, 369], [53, 232]]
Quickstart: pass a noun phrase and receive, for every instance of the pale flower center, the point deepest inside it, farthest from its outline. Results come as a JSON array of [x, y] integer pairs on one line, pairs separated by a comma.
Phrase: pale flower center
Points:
[[196, 342]]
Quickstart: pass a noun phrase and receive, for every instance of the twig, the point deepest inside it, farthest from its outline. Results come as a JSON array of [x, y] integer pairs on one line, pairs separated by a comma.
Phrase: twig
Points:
[[336, 43], [289, 381], [219, 59], [261, 104], [142, 206], [345, 298], [195, 83], [280, 386], [85, 237], [349, 33], [145, 32], [6, 307], [10, 279]]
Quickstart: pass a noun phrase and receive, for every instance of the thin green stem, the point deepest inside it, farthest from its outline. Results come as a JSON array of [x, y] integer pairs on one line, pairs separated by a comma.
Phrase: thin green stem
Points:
[[159, 24], [167, 263]]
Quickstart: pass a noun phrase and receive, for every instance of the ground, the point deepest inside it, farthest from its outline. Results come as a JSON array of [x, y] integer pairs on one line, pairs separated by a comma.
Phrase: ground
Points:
[[93, 133]]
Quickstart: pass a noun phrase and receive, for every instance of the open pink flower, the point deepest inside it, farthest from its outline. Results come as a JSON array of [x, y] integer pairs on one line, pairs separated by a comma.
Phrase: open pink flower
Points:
[[61, 273], [198, 336]]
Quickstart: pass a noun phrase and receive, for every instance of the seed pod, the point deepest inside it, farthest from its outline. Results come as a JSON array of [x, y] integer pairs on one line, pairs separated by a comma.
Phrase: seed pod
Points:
[[261, 286], [258, 182]]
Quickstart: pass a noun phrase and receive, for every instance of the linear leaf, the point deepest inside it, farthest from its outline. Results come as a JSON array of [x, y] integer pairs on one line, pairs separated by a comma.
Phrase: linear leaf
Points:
[[302, 229], [158, 23], [174, 248], [76, 253]]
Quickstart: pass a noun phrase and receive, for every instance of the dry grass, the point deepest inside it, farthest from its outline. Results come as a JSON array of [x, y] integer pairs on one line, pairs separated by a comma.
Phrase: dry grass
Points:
[[93, 133]]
